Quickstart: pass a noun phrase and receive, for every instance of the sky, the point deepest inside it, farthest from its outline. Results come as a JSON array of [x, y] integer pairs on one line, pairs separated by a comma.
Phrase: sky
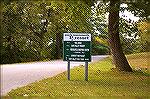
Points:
[[128, 15], [125, 15]]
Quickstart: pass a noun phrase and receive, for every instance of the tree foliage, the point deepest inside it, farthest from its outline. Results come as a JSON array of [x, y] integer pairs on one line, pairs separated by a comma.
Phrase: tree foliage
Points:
[[144, 28], [33, 30]]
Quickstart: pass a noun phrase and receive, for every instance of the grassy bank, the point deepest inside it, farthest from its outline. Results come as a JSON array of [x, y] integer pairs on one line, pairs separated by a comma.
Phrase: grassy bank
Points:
[[102, 81]]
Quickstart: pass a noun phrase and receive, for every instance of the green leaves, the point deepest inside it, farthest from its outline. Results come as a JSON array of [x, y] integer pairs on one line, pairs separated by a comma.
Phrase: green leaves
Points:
[[33, 30]]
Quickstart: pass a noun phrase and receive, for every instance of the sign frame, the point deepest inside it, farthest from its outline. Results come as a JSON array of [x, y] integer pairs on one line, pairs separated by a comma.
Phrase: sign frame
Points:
[[76, 49], [72, 39]]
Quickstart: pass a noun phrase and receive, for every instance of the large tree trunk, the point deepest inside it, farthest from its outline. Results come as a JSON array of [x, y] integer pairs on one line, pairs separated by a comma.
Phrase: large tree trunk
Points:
[[119, 58]]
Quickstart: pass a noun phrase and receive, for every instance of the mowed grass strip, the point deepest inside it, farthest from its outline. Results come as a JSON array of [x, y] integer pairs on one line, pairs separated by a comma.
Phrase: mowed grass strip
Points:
[[141, 60], [102, 81]]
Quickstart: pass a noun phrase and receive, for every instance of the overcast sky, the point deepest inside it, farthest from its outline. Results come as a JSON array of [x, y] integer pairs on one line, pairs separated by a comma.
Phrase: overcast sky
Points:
[[128, 15]]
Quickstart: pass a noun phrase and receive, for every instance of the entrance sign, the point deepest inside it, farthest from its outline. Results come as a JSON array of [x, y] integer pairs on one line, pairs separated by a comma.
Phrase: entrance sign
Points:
[[77, 47]]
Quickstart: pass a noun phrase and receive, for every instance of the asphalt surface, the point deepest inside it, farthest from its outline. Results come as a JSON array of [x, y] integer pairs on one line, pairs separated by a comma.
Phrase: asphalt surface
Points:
[[18, 75]]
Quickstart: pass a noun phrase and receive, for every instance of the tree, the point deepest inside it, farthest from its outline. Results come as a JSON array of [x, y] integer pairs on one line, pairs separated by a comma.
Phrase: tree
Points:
[[139, 8], [119, 58], [32, 31], [10, 33], [67, 16], [23, 32]]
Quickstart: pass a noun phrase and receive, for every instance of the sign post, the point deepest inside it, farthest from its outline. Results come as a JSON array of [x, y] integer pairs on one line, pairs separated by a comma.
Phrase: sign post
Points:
[[68, 76], [86, 71], [77, 47]]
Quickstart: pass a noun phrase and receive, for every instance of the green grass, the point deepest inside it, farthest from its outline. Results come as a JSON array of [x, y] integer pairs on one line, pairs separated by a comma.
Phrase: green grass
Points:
[[102, 82], [139, 60]]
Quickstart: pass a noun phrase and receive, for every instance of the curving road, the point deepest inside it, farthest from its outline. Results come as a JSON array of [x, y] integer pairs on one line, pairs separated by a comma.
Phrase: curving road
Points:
[[17, 75]]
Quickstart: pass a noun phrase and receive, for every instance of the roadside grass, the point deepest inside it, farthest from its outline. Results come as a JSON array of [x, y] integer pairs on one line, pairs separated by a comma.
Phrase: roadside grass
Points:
[[102, 81], [141, 60]]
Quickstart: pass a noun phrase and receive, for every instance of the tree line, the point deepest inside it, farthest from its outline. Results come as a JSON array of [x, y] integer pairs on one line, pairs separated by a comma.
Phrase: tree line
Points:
[[32, 30]]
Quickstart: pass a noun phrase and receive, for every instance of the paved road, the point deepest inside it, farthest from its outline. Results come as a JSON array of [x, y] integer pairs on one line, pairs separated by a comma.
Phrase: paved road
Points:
[[17, 75]]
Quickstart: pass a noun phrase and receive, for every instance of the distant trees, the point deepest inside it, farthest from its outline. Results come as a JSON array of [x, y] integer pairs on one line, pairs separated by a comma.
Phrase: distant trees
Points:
[[100, 29], [140, 8], [33, 30], [144, 28]]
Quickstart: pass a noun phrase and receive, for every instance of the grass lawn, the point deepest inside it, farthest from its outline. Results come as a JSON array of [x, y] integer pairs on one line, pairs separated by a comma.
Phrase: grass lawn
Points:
[[102, 81]]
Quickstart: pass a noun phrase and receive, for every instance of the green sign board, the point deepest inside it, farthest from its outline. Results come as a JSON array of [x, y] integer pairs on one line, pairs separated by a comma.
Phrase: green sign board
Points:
[[77, 47]]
